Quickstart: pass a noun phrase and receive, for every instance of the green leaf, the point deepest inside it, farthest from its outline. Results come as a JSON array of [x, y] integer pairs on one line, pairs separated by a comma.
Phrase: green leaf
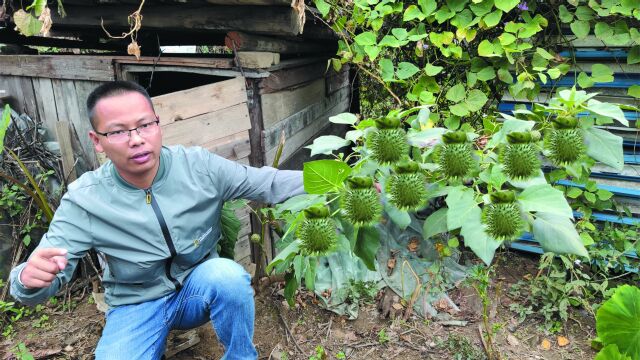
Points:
[[507, 127], [604, 147], [476, 238], [481, 8], [428, 6], [591, 197], [580, 28], [26, 240], [507, 39], [4, 124], [585, 81], [459, 109], [506, 5], [601, 73], [400, 33], [604, 195], [399, 217], [586, 239], [425, 137], [323, 7], [603, 31], [505, 76], [544, 53], [545, 198], [344, 118], [367, 245], [565, 15], [321, 176], [584, 13], [486, 74], [452, 122], [26, 23], [366, 38], [634, 91], [574, 192], [618, 321], [310, 273], [412, 13], [557, 234], [444, 14], [230, 227], [461, 203], [299, 202], [486, 49], [611, 352], [327, 144], [633, 57], [389, 41], [372, 51], [386, 69], [493, 18], [406, 70], [286, 254], [290, 287], [475, 100], [432, 70], [435, 224], [456, 93], [607, 109], [456, 5], [37, 6]]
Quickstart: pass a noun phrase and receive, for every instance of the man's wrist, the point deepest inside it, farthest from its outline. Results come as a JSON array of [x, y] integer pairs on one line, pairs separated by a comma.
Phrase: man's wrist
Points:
[[20, 281]]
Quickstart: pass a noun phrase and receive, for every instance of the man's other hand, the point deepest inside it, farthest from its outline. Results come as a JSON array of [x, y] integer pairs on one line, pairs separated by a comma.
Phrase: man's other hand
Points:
[[42, 267]]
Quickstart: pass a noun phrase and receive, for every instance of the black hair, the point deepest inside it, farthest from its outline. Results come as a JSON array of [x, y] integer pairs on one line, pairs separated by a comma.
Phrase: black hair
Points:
[[112, 88]]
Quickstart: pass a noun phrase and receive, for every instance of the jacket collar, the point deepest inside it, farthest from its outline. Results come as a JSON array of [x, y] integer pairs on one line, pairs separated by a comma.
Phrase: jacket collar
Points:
[[161, 175]]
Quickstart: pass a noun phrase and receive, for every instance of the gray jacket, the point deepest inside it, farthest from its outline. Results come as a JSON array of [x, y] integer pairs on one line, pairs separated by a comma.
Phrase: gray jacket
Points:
[[152, 238]]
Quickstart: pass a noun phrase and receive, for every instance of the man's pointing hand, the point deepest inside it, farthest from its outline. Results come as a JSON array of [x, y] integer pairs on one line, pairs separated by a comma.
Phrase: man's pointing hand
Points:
[[43, 266]]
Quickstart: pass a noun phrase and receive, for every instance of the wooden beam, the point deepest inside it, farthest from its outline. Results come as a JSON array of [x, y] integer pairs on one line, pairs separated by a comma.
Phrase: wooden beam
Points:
[[9, 36], [282, 79], [257, 59], [74, 67], [240, 41], [260, 19], [282, 104]]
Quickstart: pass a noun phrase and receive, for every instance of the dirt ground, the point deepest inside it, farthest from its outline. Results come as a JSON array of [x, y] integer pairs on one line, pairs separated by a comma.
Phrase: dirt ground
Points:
[[308, 332]]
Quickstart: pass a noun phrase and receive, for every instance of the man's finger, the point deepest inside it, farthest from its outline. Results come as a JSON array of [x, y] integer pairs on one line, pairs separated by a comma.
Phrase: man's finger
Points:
[[44, 264], [61, 261], [37, 274], [47, 253]]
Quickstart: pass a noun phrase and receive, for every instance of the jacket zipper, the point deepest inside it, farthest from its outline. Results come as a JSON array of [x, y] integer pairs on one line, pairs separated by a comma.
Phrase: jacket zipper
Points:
[[167, 237]]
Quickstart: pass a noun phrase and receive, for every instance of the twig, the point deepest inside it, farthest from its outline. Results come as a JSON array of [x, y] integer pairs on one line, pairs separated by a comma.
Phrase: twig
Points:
[[484, 343], [326, 338], [286, 327]]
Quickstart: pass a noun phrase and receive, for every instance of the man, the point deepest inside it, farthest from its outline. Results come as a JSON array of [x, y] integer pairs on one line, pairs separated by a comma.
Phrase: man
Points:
[[155, 213]]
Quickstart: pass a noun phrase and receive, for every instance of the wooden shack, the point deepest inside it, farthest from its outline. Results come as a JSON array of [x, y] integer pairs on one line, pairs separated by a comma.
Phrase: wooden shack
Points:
[[269, 82]]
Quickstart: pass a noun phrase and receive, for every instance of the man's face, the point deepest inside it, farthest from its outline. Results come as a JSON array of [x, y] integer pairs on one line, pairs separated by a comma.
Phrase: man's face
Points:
[[138, 158]]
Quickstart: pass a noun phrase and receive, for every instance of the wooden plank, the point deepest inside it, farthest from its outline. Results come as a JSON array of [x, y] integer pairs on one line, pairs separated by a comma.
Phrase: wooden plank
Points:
[[260, 19], [218, 63], [303, 118], [337, 81], [232, 147], [282, 104], [207, 127], [240, 41], [590, 41], [45, 102], [58, 67], [63, 132], [200, 100], [282, 79], [28, 96], [255, 115], [132, 69], [257, 59], [300, 138], [83, 125]]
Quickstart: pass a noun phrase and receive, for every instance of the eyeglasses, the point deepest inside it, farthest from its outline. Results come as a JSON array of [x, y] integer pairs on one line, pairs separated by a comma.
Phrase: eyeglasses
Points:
[[121, 136]]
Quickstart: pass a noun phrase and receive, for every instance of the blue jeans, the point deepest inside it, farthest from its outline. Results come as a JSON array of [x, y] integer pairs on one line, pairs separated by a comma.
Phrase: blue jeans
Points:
[[218, 290]]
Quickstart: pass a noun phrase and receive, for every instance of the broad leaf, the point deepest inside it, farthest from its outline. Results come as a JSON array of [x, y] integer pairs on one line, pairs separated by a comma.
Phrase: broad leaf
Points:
[[601, 73], [604, 147], [545, 198], [618, 321], [322, 176], [476, 238], [432, 70], [386, 69], [5, 120], [607, 109], [557, 234], [399, 217], [290, 287], [634, 55], [475, 100], [406, 70], [426, 137], [286, 254], [455, 93], [413, 12], [26, 23], [611, 352], [634, 91], [507, 127], [366, 38], [344, 118], [506, 5], [436, 223], [230, 228], [327, 144], [299, 202], [580, 28], [310, 273], [492, 19], [367, 245], [461, 203], [323, 7]]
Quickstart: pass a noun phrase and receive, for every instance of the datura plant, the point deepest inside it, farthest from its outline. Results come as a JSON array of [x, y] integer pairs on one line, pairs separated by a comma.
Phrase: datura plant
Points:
[[496, 187]]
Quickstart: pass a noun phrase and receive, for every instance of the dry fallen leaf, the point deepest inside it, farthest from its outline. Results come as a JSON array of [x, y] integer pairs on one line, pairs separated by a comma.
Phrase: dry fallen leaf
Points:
[[546, 344], [134, 49], [512, 340], [45, 17], [563, 341], [413, 244], [391, 264], [397, 306]]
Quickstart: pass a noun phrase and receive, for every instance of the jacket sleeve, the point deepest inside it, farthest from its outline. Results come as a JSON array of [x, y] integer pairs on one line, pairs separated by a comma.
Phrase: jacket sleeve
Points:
[[70, 230], [265, 184]]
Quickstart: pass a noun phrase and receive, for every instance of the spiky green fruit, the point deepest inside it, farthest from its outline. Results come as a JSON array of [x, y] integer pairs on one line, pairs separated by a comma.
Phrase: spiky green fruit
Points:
[[564, 122], [523, 137], [388, 145], [503, 220], [317, 236], [407, 191], [520, 160], [359, 182], [503, 197], [565, 146], [455, 160], [318, 211], [454, 137], [361, 206]]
